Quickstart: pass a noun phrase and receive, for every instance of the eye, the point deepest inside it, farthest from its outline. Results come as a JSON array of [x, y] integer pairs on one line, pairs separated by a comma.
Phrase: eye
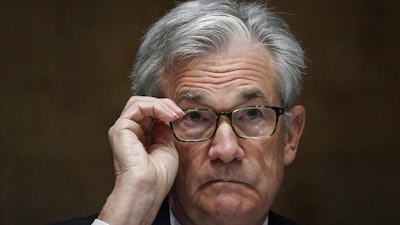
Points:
[[193, 116], [252, 113]]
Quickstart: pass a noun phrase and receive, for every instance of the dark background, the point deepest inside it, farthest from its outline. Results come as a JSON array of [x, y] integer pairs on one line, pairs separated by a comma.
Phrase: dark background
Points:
[[64, 69]]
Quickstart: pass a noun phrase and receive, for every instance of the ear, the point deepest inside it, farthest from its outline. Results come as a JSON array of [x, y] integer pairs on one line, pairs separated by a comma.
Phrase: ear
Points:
[[292, 136]]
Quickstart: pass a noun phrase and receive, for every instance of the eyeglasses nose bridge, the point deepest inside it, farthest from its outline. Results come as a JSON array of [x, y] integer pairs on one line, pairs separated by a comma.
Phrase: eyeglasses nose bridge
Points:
[[227, 114]]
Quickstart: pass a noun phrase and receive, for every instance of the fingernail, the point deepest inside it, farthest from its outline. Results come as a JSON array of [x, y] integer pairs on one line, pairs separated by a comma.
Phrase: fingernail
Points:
[[175, 115]]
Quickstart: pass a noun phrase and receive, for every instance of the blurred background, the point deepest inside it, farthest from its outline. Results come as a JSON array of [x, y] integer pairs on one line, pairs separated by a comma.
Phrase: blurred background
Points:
[[64, 80]]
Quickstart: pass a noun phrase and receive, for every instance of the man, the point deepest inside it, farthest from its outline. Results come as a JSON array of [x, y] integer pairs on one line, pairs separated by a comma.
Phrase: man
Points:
[[213, 120]]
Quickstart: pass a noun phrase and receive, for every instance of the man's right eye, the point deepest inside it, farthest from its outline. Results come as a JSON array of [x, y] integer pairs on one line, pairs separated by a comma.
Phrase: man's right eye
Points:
[[193, 116]]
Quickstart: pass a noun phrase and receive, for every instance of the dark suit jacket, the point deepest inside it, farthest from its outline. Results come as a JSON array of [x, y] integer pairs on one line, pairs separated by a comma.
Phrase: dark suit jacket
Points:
[[163, 218]]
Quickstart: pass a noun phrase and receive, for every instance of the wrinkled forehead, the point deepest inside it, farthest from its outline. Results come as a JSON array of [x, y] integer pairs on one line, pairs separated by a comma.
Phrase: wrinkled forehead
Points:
[[182, 59], [245, 72], [251, 48]]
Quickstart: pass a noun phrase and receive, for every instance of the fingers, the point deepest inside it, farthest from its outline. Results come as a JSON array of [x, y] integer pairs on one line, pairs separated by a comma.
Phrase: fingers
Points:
[[131, 134], [162, 134], [163, 152], [125, 129], [141, 107], [140, 112], [143, 110]]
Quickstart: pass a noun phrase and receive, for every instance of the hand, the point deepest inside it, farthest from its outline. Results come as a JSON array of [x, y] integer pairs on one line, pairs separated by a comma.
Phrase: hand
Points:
[[140, 149], [145, 159]]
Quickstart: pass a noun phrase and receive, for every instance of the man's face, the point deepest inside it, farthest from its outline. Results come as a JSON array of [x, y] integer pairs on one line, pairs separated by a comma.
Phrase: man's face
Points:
[[228, 178]]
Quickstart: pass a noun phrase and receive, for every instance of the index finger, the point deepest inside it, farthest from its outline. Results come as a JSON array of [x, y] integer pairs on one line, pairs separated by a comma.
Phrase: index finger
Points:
[[140, 107]]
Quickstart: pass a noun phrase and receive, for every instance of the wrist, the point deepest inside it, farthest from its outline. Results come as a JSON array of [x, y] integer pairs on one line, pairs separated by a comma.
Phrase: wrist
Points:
[[131, 203]]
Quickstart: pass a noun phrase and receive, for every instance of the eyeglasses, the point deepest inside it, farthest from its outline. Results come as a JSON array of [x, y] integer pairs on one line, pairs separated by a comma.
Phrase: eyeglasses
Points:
[[252, 122]]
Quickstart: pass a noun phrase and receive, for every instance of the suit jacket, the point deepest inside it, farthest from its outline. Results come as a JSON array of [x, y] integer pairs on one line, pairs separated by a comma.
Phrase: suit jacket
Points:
[[163, 218]]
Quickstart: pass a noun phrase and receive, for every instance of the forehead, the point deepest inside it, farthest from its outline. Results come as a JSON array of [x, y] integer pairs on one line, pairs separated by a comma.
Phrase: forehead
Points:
[[228, 78]]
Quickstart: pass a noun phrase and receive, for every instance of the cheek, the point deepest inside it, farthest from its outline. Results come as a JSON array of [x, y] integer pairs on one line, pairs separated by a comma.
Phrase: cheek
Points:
[[267, 159], [191, 160]]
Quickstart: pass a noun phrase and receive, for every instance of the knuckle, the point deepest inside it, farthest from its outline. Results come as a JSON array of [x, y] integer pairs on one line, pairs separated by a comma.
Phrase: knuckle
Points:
[[132, 100], [167, 100], [110, 131]]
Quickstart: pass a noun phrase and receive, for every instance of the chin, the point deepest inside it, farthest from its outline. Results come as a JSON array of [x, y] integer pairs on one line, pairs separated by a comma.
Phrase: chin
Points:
[[229, 205], [234, 210]]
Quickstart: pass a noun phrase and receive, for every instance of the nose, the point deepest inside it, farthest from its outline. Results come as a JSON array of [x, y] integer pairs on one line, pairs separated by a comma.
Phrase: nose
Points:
[[225, 144]]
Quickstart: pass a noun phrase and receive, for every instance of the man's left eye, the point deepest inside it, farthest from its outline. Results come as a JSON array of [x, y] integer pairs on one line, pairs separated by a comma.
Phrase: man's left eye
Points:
[[253, 113]]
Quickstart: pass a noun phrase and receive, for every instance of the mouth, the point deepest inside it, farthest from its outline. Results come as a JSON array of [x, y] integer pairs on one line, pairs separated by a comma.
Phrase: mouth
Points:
[[224, 183], [225, 188]]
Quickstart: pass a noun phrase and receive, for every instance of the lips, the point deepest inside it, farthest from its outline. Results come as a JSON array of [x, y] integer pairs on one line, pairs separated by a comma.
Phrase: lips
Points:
[[224, 183]]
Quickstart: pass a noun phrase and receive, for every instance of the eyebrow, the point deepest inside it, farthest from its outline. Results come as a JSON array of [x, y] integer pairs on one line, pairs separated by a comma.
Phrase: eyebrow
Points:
[[249, 94], [189, 96], [253, 94]]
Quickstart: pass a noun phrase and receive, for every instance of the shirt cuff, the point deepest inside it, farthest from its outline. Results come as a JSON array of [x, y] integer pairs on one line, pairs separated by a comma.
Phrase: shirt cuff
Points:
[[99, 222]]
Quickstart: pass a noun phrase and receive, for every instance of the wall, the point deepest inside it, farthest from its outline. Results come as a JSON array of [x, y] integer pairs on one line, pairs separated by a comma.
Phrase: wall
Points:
[[64, 68]]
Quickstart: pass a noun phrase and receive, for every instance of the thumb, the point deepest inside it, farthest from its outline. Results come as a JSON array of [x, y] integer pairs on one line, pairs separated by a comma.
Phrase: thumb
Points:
[[163, 151], [161, 133]]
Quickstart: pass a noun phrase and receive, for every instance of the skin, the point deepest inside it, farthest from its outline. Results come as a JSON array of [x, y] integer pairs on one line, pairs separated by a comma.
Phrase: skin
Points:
[[225, 180]]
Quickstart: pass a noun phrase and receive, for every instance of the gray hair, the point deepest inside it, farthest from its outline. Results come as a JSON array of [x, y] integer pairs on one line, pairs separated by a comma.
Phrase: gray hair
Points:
[[195, 29]]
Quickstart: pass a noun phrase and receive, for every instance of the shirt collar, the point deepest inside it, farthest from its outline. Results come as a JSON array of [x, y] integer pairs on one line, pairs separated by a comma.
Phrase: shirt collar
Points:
[[173, 220]]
